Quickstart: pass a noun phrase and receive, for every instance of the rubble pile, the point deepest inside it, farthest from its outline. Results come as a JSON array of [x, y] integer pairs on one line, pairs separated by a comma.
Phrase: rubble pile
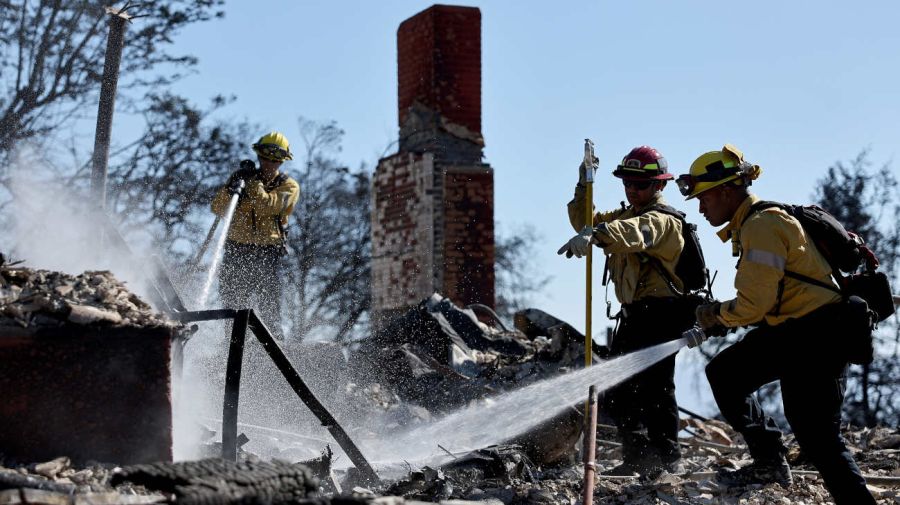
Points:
[[505, 475], [85, 369], [433, 359], [493, 475], [35, 299], [440, 357]]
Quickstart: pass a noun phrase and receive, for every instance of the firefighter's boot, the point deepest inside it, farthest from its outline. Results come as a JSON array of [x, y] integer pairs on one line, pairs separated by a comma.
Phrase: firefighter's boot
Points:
[[775, 471]]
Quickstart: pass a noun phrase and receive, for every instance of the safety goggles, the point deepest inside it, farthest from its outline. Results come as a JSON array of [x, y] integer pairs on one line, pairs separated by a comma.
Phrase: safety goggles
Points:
[[715, 171], [685, 184], [272, 152], [636, 184]]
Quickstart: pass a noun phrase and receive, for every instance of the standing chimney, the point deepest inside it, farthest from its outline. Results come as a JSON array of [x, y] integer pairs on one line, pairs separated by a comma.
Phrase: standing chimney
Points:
[[433, 201]]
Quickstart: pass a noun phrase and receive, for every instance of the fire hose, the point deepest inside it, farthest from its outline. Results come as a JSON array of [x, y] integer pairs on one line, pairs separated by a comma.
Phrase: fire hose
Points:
[[236, 190]]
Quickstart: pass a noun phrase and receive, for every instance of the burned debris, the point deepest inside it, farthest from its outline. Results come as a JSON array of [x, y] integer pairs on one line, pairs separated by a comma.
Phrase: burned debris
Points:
[[217, 481], [86, 369], [441, 356], [32, 300], [435, 350]]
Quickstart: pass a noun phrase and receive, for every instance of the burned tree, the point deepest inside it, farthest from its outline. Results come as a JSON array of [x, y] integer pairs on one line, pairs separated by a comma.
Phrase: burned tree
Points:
[[51, 55], [866, 202], [166, 178], [517, 276], [329, 245]]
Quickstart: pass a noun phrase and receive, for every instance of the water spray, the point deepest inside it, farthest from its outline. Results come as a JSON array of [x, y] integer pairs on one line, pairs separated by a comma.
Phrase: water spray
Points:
[[220, 243], [500, 418]]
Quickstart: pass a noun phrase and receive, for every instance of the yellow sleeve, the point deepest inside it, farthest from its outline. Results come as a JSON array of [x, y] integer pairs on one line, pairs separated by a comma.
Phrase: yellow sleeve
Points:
[[764, 247], [576, 208], [576, 211], [279, 201], [652, 233], [220, 201]]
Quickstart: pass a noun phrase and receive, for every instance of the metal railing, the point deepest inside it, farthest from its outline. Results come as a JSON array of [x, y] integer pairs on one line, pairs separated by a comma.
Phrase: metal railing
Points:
[[243, 320]]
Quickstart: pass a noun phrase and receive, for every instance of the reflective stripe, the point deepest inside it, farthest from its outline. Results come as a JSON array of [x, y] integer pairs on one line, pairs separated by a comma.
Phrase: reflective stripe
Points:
[[766, 258], [648, 235]]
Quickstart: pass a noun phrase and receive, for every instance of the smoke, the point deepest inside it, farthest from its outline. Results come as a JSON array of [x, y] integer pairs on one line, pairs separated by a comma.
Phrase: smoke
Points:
[[52, 225]]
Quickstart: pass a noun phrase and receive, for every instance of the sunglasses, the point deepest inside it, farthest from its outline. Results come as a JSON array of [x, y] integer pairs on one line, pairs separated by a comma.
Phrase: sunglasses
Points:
[[636, 184]]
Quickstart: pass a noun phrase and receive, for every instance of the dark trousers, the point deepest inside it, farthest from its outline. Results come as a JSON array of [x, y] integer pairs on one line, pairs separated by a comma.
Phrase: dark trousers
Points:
[[805, 355], [250, 277], [644, 407]]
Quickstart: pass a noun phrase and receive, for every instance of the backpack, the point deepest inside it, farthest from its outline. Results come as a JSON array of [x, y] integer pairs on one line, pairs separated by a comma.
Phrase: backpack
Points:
[[691, 266], [867, 293]]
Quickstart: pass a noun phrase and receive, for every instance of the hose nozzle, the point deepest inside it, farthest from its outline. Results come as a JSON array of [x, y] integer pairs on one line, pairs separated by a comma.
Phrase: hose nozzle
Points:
[[237, 187], [694, 336]]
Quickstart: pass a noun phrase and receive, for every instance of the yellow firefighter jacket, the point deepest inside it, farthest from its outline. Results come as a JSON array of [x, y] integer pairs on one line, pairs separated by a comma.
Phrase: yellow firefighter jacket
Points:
[[629, 241], [262, 212], [768, 243]]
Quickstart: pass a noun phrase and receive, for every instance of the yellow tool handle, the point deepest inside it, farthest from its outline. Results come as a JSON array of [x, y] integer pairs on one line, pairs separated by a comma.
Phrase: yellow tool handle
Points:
[[589, 221], [589, 164]]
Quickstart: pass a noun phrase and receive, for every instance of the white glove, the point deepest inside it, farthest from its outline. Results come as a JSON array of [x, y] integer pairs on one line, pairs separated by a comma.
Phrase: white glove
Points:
[[580, 244]]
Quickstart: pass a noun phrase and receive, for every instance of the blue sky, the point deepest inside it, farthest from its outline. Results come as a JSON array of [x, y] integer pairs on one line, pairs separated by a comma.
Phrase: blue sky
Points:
[[796, 85]]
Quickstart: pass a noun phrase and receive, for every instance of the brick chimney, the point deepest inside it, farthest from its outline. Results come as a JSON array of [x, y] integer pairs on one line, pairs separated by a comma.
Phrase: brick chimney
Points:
[[433, 201]]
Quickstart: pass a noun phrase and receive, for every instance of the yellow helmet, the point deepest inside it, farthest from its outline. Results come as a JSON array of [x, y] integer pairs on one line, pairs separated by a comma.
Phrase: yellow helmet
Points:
[[273, 146], [716, 168]]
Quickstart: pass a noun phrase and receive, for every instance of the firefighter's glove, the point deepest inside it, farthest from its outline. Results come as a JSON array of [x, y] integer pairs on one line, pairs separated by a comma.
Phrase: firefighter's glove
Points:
[[707, 315], [582, 173], [580, 244], [236, 185], [246, 172]]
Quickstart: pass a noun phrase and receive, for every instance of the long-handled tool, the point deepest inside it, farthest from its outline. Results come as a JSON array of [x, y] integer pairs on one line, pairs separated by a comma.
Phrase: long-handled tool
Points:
[[206, 242], [589, 165]]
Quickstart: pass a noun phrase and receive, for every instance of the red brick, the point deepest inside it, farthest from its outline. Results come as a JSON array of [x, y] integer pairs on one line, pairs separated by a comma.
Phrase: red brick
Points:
[[439, 63]]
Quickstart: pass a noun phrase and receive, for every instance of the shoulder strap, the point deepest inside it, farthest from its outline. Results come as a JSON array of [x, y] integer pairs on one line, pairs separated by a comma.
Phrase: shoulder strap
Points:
[[761, 206], [663, 208], [810, 280]]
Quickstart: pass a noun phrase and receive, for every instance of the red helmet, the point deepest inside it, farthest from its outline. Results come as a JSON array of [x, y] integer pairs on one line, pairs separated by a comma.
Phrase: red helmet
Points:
[[644, 162]]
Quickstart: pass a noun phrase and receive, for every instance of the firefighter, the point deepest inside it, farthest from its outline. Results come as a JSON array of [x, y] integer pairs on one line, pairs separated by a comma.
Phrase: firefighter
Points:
[[256, 241], [642, 249], [791, 340]]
